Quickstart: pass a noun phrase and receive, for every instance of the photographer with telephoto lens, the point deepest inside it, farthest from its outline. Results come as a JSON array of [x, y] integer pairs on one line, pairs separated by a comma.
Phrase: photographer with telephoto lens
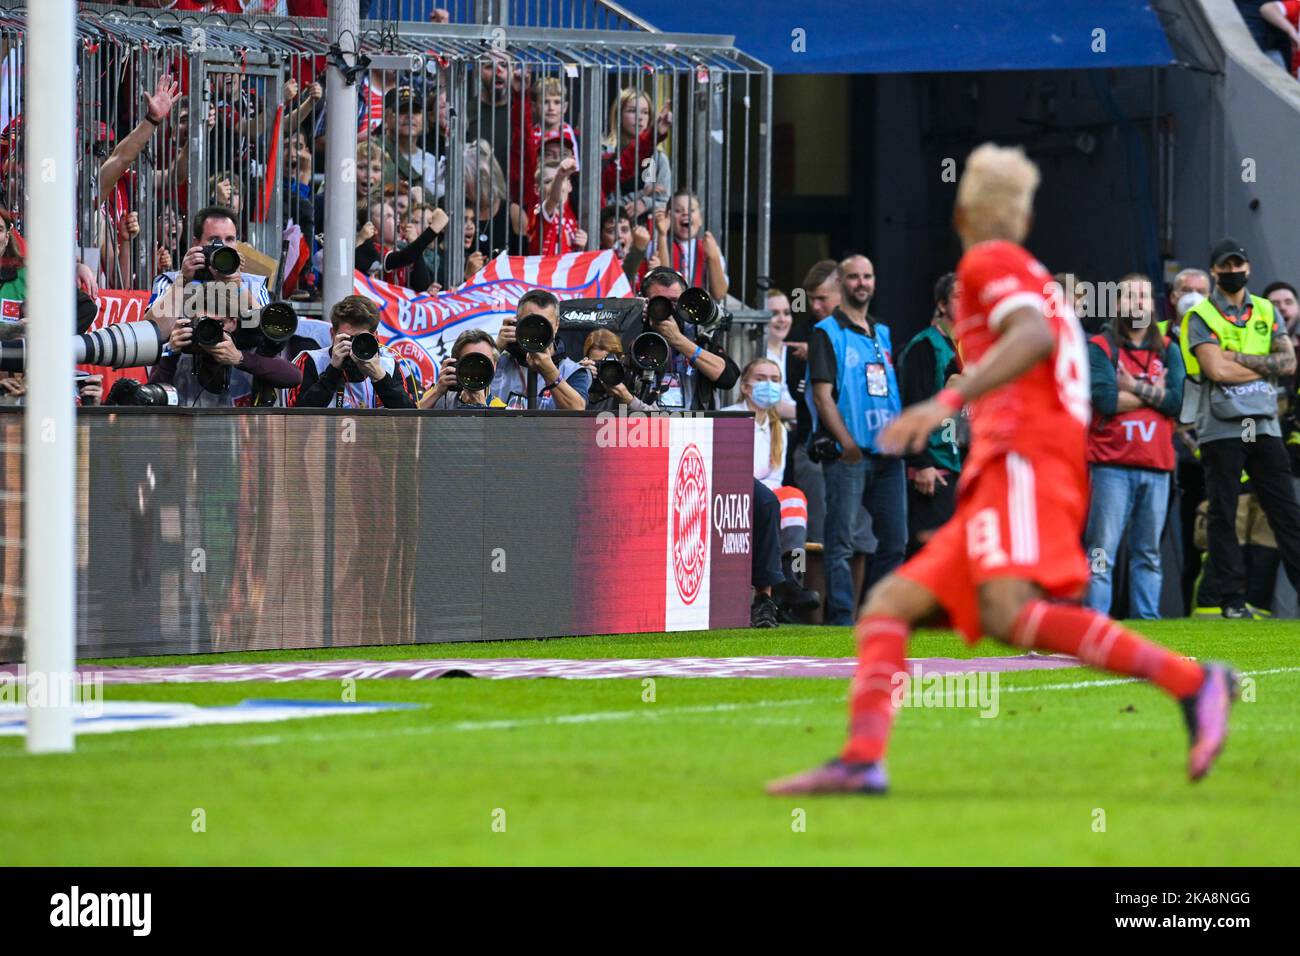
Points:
[[355, 371], [611, 372], [206, 364], [699, 367], [465, 379], [527, 342]]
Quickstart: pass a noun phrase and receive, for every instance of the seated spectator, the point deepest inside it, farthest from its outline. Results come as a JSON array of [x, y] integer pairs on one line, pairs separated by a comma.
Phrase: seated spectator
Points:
[[447, 392], [212, 224], [760, 388], [635, 173], [332, 377], [1136, 376], [224, 375], [680, 245], [552, 226], [561, 384]]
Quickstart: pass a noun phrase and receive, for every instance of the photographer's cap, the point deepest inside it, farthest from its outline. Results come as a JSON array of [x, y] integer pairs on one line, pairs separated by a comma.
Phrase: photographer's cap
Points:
[[1226, 249]]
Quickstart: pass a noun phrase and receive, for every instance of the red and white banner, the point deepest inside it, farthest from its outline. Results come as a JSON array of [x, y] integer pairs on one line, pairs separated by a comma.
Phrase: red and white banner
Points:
[[422, 327]]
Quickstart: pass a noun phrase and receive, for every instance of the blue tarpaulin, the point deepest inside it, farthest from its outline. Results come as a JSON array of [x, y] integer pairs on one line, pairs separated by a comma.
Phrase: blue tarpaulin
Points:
[[925, 36]]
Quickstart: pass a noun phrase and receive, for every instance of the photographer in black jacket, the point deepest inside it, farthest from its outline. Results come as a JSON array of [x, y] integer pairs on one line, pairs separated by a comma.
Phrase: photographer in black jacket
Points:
[[696, 371], [333, 377]]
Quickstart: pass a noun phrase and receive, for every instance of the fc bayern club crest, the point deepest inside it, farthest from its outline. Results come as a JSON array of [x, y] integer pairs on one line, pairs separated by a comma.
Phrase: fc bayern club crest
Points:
[[690, 523], [412, 353]]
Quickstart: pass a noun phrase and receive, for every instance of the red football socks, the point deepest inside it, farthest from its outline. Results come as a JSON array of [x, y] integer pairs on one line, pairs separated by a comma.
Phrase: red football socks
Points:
[[882, 644], [1102, 643]]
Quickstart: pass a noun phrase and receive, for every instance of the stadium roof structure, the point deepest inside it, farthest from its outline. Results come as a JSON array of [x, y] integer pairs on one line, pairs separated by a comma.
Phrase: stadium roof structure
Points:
[[615, 38], [926, 36]]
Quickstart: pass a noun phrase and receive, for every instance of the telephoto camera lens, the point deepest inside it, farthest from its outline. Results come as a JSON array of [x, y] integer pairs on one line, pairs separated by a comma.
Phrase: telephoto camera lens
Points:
[[364, 346], [278, 321], [610, 372], [120, 345], [13, 355], [127, 392], [534, 333], [474, 372], [697, 307], [221, 258], [650, 352], [208, 333]]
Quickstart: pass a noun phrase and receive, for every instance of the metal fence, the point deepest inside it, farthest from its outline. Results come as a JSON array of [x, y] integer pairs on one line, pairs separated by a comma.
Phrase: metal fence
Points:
[[468, 138]]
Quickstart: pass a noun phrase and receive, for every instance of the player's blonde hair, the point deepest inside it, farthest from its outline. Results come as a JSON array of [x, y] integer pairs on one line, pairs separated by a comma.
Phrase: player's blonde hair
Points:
[[996, 192]]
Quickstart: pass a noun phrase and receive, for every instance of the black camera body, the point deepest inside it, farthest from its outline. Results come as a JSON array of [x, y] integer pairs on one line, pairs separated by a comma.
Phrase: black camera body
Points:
[[823, 447], [129, 392]]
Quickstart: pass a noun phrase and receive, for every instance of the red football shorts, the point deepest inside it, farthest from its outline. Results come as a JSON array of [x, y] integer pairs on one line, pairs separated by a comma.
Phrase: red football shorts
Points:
[[1019, 517]]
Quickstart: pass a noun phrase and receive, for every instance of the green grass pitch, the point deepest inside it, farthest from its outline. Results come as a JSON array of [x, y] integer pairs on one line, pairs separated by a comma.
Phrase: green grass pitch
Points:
[[552, 771]]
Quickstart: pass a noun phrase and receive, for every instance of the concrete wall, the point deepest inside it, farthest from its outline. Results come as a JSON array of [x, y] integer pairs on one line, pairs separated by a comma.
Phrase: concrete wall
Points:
[[1238, 124]]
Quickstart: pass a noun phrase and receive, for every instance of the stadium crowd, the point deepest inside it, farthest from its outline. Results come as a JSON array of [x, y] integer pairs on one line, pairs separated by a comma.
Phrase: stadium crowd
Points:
[[1195, 442]]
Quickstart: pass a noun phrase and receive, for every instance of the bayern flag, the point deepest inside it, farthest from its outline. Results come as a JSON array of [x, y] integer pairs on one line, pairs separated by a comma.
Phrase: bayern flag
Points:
[[421, 327]]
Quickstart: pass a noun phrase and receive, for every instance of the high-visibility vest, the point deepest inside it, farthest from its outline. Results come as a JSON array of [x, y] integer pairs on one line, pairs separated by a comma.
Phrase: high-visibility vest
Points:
[[1254, 336]]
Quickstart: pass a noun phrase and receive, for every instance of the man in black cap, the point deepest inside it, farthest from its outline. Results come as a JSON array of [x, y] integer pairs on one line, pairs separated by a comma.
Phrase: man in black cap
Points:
[[404, 139], [1235, 346]]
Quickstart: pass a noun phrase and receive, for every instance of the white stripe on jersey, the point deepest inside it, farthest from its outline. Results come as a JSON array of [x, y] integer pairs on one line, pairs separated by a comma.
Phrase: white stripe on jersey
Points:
[[1022, 510]]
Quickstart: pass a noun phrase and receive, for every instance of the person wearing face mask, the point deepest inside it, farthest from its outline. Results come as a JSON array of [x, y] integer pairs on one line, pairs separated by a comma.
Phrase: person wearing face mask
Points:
[[780, 512], [1234, 346], [778, 330]]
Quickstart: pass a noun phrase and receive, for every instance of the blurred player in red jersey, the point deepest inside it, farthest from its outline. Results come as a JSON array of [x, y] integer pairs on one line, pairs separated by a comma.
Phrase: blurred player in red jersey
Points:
[[1009, 564]]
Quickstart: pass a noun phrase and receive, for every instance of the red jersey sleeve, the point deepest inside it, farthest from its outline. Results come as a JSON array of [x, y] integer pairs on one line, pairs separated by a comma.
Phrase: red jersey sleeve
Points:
[[997, 278]]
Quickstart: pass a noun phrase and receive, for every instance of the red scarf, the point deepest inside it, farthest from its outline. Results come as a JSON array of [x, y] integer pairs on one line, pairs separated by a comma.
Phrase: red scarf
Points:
[[700, 264]]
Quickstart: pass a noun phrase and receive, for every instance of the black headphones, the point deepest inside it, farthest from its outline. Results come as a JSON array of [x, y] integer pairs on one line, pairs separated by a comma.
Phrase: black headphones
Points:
[[660, 275]]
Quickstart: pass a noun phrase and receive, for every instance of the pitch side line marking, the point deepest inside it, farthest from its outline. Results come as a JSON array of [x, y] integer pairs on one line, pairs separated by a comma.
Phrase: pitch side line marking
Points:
[[595, 717]]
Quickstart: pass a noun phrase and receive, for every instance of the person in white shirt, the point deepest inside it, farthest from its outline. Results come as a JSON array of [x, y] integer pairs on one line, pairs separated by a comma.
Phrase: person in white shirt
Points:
[[778, 328], [760, 388]]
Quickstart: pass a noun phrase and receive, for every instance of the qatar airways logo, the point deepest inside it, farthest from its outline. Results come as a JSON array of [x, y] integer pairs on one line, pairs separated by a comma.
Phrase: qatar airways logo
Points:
[[690, 523], [731, 522]]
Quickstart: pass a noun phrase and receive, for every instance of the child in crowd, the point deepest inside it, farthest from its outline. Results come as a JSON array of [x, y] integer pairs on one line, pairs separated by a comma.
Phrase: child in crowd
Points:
[[680, 244], [550, 135], [552, 226]]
